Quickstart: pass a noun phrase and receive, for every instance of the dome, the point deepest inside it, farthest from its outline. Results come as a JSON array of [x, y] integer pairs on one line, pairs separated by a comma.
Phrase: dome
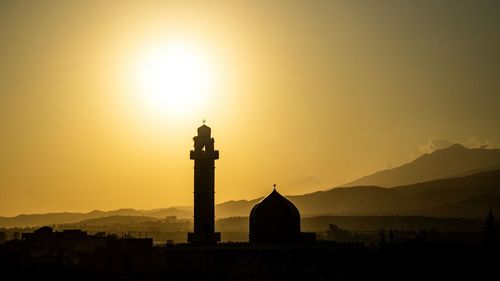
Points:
[[274, 220], [204, 131]]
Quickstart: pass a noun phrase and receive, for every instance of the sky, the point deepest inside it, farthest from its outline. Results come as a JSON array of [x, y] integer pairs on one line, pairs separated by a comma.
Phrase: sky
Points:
[[99, 100]]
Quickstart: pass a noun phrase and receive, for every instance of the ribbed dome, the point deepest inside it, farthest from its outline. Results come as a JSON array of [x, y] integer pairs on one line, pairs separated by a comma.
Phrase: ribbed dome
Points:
[[274, 220]]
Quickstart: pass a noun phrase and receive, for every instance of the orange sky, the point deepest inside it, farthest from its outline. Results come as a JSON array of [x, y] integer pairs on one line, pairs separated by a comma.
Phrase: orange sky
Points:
[[308, 95]]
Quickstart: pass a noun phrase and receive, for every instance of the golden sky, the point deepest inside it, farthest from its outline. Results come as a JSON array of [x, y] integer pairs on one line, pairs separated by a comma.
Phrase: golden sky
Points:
[[304, 94]]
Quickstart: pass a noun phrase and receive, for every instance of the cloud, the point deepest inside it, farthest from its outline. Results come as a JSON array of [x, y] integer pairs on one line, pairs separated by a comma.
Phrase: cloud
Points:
[[439, 143], [434, 144], [475, 142]]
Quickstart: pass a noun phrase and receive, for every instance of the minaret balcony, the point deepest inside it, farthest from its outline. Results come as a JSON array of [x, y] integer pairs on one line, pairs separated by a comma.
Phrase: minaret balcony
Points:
[[193, 154]]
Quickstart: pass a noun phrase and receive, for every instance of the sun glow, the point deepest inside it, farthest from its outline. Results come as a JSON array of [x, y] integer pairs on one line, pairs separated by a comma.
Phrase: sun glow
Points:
[[173, 79]]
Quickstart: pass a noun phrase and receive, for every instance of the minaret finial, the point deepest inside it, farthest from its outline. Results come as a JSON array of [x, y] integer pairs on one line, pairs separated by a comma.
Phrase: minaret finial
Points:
[[203, 121], [274, 186]]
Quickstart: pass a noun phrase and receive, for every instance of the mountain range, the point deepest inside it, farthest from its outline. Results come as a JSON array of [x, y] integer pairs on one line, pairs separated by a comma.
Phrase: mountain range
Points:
[[451, 182], [469, 196], [66, 217], [453, 161]]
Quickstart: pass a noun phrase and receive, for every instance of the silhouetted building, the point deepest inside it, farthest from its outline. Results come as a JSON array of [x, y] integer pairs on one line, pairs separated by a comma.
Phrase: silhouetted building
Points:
[[66, 241], [276, 220], [276, 250], [204, 157]]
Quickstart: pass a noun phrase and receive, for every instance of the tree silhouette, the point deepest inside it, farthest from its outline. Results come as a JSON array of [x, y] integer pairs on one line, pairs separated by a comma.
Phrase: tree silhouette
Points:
[[490, 229], [3, 237]]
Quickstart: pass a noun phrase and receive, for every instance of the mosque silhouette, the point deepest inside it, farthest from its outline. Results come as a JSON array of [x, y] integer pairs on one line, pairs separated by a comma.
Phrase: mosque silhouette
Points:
[[274, 220], [276, 250]]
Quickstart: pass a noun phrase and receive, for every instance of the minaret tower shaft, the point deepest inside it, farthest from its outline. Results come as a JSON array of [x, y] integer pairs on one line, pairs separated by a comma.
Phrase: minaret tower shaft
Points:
[[204, 157]]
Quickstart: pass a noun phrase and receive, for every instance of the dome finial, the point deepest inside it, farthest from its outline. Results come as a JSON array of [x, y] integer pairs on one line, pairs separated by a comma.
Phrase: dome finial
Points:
[[204, 121]]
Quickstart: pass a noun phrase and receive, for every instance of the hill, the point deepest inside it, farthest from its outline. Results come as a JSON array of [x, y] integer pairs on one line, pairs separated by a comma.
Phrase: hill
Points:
[[365, 223], [434, 198], [452, 161], [467, 196], [470, 207], [64, 218], [240, 208]]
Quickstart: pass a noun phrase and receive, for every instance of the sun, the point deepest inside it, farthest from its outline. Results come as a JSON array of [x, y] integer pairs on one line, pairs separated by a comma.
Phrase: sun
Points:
[[173, 79]]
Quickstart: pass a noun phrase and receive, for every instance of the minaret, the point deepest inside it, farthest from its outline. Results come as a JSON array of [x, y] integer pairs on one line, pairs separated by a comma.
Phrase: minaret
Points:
[[204, 157]]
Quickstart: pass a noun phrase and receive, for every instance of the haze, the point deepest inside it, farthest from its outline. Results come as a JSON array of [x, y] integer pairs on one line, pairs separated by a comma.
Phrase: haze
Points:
[[307, 95]]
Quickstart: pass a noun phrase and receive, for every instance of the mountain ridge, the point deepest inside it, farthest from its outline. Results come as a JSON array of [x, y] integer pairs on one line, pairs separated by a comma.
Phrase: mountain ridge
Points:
[[448, 162], [73, 217], [436, 197], [415, 199], [428, 196]]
